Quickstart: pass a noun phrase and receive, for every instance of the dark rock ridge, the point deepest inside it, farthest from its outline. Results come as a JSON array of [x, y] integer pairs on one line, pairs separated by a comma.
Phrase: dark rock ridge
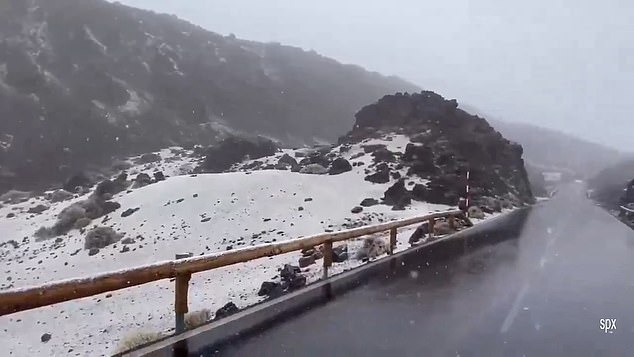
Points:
[[234, 149], [445, 143], [84, 80]]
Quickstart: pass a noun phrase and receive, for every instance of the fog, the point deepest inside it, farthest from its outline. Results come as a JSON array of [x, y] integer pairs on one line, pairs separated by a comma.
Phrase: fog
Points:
[[562, 64]]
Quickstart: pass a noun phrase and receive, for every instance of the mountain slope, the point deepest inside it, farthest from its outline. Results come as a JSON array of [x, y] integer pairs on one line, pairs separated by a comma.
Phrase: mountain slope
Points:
[[82, 80], [549, 149]]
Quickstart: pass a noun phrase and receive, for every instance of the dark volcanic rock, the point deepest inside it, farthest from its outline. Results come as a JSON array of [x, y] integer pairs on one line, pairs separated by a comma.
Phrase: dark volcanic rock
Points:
[[45, 337], [149, 158], [357, 209], [419, 192], [234, 149], [289, 271], [227, 310], [158, 176], [339, 165], [38, 209], [129, 212], [270, 288], [288, 159], [340, 254], [383, 155], [142, 179], [382, 174], [397, 194], [368, 202]]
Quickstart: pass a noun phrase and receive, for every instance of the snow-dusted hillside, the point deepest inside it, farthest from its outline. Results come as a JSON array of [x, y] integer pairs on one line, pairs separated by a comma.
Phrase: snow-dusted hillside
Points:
[[188, 213]]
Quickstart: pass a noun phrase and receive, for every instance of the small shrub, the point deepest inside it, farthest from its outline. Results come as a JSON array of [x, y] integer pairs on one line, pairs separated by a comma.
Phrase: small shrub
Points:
[[137, 339], [100, 237], [197, 318]]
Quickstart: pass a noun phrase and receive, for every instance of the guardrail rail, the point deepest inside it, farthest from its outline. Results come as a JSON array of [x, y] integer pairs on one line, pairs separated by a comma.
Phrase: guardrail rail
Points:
[[31, 297]]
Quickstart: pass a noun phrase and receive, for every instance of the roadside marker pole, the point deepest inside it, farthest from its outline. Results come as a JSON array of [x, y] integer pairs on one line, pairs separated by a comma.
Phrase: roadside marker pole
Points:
[[468, 194]]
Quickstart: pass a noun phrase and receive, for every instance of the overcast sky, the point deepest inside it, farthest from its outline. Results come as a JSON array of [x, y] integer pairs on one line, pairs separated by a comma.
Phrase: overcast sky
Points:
[[563, 64]]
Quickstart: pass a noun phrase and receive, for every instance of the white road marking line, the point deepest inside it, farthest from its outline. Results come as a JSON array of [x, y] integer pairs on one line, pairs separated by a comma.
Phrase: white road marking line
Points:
[[510, 317]]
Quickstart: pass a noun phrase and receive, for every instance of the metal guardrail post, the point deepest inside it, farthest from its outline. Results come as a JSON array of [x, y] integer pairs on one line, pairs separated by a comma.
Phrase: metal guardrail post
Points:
[[181, 291]]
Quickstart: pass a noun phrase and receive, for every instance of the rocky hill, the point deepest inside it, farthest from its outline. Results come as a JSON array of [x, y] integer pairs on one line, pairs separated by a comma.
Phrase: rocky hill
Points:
[[445, 143], [84, 80], [609, 185]]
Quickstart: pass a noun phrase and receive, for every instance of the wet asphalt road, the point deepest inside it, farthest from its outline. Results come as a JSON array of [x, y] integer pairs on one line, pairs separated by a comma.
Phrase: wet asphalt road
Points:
[[541, 294]]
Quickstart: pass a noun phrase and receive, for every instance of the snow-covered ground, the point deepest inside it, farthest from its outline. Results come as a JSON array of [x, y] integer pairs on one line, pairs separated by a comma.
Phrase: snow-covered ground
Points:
[[188, 213]]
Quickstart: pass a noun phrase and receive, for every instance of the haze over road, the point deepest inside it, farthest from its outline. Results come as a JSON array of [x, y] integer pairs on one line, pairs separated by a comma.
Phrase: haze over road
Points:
[[542, 294]]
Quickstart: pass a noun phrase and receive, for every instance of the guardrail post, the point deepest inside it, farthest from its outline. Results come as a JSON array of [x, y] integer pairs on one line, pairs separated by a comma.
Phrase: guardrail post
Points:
[[181, 291], [392, 241], [430, 225], [327, 257]]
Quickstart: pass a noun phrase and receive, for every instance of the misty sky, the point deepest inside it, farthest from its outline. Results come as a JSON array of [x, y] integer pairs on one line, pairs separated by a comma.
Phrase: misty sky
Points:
[[563, 64]]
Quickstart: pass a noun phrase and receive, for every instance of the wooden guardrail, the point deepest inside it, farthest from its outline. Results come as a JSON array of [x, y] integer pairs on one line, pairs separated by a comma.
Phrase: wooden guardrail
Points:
[[32, 297]]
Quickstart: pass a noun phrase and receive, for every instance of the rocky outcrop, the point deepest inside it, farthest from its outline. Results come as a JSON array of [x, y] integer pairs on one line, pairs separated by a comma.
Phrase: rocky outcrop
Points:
[[445, 143]]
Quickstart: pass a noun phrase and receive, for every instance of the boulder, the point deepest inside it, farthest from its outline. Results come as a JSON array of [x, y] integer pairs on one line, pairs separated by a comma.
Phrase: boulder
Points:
[[315, 158], [340, 253], [101, 237], [109, 207], [223, 155], [383, 155], [306, 261], [418, 153], [369, 202], [288, 159], [357, 209], [142, 179], [129, 212], [289, 271], [227, 310], [271, 289], [314, 169], [38, 209], [419, 192], [149, 158], [396, 194], [45, 337], [59, 196], [420, 233], [339, 166], [296, 282], [382, 174], [159, 176]]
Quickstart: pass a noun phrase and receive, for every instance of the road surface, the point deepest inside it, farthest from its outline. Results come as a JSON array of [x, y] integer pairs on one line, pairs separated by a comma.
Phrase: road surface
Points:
[[543, 294]]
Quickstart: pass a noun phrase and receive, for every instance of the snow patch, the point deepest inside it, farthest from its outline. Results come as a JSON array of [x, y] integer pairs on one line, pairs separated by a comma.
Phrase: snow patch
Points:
[[94, 39]]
